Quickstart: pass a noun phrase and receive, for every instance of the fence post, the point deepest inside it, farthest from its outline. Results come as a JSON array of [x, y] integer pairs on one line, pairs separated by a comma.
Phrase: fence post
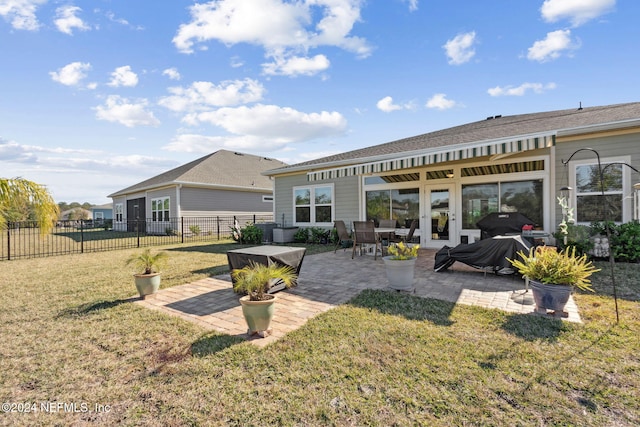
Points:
[[181, 229], [8, 241], [82, 236], [218, 226], [138, 230], [254, 218]]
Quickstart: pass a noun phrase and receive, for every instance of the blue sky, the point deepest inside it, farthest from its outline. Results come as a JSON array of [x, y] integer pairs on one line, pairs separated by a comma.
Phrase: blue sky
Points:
[[99, 95]]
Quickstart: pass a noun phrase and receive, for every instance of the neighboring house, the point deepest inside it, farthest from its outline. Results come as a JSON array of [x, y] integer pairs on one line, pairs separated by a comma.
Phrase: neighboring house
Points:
[[74, 214], [451, 178], [222, 183], [102, 212]]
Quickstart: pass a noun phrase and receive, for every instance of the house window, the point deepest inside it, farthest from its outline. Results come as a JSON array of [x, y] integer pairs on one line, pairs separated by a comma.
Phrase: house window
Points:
[[401, 204], [313, 205], [590, 204], [98, 215], [118, 211], [478, 200], [160, 209]]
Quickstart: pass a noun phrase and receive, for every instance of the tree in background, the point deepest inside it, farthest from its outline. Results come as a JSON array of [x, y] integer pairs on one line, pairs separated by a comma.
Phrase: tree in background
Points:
[[17, 194]]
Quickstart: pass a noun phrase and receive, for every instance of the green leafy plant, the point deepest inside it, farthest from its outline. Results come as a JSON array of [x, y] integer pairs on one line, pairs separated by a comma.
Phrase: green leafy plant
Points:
[[576, 236], [319, 235], [147, 261], [553, 267], [625, 242], [255, 279], [195, 229], [251, 234], [402, 251], [301, 236]]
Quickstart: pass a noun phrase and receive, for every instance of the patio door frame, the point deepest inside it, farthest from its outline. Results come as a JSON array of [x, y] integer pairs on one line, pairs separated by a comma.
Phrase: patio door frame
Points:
[[427, 233]]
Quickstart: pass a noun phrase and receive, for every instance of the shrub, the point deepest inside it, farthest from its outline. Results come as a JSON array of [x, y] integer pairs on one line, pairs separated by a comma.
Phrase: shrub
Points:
[[195, 229], [301, 236], [251, 234], [625, 242], [578, 237], [319, 235]]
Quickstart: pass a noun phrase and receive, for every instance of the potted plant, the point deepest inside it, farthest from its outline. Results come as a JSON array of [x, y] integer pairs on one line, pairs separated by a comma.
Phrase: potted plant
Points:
[[148, 281], [553, 274], [258, 305], [400, 265]]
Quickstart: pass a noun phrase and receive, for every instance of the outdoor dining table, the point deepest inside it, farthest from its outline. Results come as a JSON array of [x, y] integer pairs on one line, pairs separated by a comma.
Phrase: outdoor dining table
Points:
[[267, 255]]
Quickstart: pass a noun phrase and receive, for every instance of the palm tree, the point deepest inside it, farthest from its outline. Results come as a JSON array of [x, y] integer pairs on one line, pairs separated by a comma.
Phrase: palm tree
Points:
[[22, 191]]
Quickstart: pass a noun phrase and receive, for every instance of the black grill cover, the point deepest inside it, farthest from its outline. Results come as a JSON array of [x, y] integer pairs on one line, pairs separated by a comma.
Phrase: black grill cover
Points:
[[486, 254], [502, 223]]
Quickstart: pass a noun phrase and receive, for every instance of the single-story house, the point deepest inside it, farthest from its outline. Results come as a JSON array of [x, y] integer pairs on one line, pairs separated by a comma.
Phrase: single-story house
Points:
[[99, 213], [449, 179], [219, 184]]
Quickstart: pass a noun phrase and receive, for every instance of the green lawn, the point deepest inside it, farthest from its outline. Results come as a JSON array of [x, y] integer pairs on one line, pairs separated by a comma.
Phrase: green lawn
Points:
[[70, 335]]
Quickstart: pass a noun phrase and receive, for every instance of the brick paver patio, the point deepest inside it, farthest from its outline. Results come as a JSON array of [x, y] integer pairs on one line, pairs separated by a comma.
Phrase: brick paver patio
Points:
[[327, 280]]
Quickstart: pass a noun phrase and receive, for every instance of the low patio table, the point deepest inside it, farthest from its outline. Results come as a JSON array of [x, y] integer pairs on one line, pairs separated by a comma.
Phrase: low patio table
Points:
[[267, 255]]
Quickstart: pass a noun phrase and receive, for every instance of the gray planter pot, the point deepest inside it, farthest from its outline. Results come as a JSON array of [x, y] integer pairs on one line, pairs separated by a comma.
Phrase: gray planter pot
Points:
[[258, 314], [400, 273], [550, 297], [147, 284]]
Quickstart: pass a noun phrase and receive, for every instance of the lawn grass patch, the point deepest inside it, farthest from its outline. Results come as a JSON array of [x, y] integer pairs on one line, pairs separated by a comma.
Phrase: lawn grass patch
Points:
[[71, 334]]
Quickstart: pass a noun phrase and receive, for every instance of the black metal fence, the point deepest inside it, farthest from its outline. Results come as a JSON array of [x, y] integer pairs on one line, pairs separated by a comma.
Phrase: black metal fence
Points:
[[23, 239]]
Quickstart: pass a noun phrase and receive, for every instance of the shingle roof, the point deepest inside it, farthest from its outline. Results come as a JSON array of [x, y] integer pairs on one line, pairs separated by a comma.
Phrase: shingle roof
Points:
[[493, 128], [221, 168]]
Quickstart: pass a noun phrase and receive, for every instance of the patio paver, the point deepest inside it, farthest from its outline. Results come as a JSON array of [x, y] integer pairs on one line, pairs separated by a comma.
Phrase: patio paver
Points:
[[327, 280]]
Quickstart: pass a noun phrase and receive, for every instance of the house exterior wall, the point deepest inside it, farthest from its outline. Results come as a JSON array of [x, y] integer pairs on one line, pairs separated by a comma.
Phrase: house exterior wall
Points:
[[200, 202], [618, 146], [349, 192], [346, 197], [106, 213]]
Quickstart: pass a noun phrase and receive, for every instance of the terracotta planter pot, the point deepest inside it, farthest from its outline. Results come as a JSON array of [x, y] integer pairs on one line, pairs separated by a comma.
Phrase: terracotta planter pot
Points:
[[147, 284], [258, 314], [550, 297], [400, 273]]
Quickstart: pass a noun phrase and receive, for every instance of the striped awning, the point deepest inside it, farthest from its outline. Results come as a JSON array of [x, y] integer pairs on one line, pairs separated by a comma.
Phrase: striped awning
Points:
[[440, 155]]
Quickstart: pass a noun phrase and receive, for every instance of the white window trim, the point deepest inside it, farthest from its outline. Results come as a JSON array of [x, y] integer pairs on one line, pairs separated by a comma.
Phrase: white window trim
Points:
[[162, 199], [119, 210], [627, 190], [312, 218]]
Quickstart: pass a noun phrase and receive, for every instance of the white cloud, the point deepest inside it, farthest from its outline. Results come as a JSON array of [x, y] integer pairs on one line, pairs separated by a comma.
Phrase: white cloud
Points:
[[576, 11], [296, 66], [204, 95], [552, 46], [71, 74], [21, 13], [520, 90], [67, 19], [386, 104], [440, 102], [460, 48], [172, 73], [290, 29], [120, 110], [273, 123], [123, 76], [413, 5]]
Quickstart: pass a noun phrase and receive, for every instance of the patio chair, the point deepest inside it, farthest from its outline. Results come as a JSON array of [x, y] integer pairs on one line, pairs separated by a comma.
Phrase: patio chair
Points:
[[365, 233], [343, 234], [409, 237], [387, 223]]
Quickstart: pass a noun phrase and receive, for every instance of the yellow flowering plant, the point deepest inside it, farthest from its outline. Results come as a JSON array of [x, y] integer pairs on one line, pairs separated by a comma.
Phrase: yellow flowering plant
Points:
[[401, 251]]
